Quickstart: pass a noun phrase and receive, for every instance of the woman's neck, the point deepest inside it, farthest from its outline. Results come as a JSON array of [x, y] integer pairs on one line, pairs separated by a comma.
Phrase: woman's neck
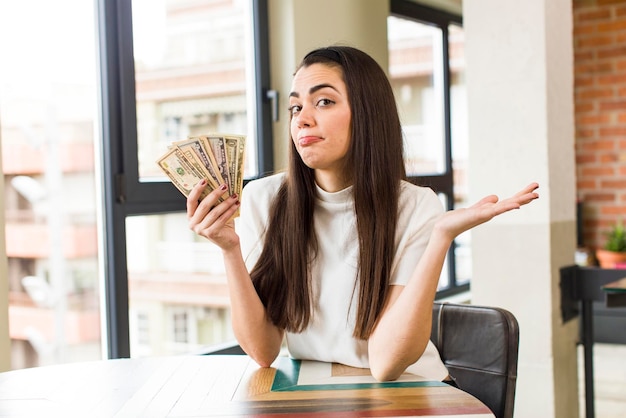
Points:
[[330, 181]]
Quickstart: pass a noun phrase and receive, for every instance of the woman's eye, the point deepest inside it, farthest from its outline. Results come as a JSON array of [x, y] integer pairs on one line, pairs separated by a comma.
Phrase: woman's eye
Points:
[[324, 102], [294, 109]]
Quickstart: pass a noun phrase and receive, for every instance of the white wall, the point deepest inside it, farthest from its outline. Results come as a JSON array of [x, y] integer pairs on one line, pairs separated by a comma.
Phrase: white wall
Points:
[[521, 129]]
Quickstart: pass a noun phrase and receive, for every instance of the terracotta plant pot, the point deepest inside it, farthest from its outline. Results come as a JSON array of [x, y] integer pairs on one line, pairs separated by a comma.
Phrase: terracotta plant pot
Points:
[[609, 259]]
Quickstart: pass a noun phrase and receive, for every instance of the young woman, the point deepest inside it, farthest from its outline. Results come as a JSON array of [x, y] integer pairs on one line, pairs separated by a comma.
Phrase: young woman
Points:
[[340, 254]]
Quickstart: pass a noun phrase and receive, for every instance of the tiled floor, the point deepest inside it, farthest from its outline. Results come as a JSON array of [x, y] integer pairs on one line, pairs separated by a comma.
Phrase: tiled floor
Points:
[[610, 380]]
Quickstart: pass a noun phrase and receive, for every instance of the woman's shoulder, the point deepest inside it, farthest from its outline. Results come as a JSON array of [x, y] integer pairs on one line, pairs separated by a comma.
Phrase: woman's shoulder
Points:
[[270, 183], [257, 197], [412, 193], [263, 188], [418, 201], [418, 208]]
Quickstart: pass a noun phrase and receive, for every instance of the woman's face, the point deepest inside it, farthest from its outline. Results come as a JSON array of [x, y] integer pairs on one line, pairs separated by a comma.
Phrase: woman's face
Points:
[[320, 122]]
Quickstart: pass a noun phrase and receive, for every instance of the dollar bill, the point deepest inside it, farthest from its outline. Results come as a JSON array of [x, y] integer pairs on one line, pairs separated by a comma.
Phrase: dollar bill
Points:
[[218, 147], [201, 170], [241, 157], [235, 147], [180, 171], [217, 158], [205, 159]]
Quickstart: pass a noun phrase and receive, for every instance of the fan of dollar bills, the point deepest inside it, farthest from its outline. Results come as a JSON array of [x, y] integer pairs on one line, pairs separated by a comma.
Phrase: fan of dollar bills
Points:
[[218, 158]]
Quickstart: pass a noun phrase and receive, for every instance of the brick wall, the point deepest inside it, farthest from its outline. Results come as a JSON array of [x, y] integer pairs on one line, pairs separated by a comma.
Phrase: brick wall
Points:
[[600, 103]]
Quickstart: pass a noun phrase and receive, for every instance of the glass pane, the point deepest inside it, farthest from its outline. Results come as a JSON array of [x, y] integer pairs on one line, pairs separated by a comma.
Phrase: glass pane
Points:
[[178, 295], [416, 72], [48, 108], [460, 145], [193, 63]]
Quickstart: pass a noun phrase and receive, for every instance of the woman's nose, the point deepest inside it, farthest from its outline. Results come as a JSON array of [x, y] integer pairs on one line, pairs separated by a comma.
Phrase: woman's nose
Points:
[[304, 117]]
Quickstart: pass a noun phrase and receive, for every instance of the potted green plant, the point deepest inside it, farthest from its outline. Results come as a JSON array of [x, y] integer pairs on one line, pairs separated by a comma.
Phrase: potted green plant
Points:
[[614, 250]]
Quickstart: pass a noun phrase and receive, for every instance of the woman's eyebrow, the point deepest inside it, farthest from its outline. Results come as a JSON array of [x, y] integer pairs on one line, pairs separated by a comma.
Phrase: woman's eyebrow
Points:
[[314, 89]]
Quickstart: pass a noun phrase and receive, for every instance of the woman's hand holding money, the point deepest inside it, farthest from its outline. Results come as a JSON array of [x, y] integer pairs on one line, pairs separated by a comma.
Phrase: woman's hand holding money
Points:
[[213, 219]]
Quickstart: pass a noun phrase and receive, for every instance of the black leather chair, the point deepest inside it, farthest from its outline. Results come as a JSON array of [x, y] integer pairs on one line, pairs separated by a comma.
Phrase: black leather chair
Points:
[[478, 345], [227, 348]]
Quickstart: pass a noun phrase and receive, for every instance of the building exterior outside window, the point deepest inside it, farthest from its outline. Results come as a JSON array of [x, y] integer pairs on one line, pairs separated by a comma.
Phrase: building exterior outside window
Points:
[[192, 72], [427, 68], [48, 105]]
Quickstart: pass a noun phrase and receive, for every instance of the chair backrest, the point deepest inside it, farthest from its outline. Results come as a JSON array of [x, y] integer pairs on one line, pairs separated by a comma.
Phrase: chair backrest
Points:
[[227, 348], [479, 346]]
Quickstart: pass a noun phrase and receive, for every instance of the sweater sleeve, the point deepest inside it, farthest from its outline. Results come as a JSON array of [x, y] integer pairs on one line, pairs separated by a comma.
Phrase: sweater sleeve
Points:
[[418, 211], [256, 199]]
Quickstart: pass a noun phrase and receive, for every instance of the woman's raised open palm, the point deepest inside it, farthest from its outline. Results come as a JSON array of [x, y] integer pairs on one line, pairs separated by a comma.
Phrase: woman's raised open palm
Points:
[[457, 221]]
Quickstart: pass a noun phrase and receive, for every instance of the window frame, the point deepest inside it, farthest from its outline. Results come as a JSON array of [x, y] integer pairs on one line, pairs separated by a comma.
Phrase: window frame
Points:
[[124, 194], [441, 183]]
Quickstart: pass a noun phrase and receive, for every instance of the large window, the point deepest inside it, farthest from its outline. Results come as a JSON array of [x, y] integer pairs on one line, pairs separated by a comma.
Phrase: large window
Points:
[[48, 119], [427, 67], [170, 69], [97, 242]]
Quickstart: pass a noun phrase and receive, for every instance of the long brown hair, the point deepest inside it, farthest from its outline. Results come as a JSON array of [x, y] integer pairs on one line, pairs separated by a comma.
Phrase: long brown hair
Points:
[[282, 274]]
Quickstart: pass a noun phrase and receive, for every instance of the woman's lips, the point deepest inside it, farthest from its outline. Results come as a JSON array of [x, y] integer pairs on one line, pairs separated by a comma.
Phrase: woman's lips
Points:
[[308, 140]]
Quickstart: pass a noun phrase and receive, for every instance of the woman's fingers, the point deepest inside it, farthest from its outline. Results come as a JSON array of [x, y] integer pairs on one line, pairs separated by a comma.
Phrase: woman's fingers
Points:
[[212, 216], [198, 209], [217, 217], [459, 220], [491, 199], [526, 195], [529, 189], [194, 198]]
